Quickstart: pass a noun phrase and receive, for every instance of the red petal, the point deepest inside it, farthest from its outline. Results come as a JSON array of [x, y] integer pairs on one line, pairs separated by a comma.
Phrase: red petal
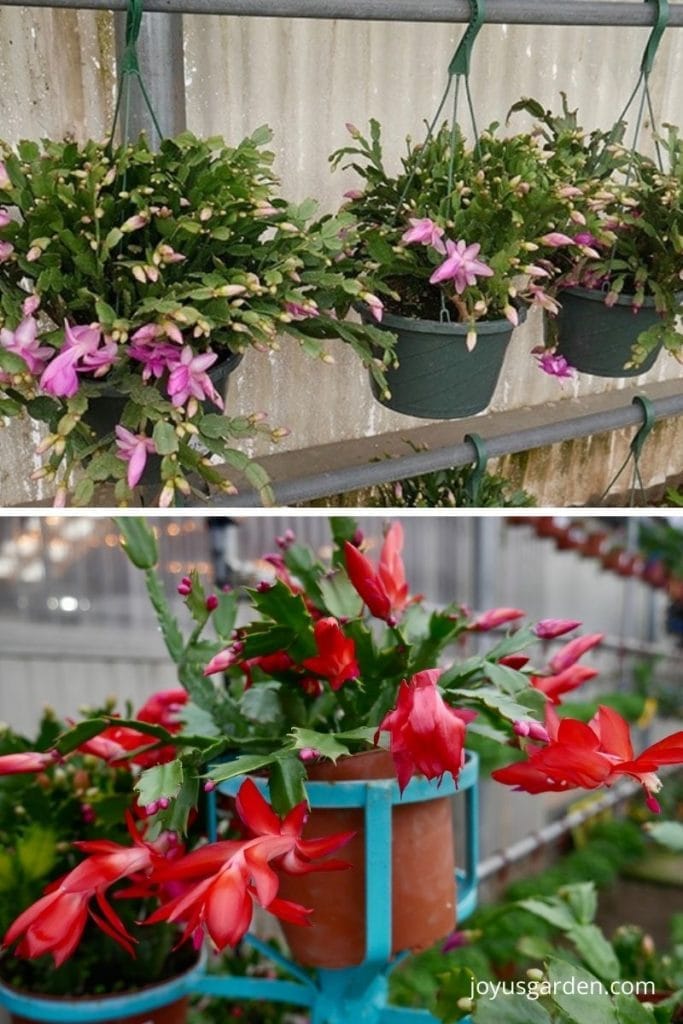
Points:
[[614, 733], [256, 812]]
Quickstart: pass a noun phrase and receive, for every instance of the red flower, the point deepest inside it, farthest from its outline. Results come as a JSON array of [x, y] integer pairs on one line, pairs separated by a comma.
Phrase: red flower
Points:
[[548, 629], [563, 682], [163, 708], [589, 756], [228, 877], [336, 658], [384, 590], [55, 923], [427, 736], [571, 652], [24, 763]]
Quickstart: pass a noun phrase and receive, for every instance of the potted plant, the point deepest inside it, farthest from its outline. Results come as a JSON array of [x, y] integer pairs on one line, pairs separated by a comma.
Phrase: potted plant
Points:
[[342, 673], [49, 808], [132, 280], [620, 296], [457, 240]]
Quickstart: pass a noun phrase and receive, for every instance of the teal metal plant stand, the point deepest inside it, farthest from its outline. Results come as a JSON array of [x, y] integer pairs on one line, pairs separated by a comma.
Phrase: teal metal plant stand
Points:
[[354, 995], [359, 995]]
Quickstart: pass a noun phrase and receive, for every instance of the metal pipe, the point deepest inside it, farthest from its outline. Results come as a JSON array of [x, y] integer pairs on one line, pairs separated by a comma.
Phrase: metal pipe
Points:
[[509, 12], [351, 478], [160, 51], [523, 848]]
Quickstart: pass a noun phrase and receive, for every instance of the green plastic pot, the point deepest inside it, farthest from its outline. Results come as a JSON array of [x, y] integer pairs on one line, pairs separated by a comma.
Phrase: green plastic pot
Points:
[[437, 377], [597, 339]]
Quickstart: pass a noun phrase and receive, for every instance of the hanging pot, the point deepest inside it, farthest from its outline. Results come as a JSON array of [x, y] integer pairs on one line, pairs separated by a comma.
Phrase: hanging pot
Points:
[[597, 339], [423, 874], [437, 377], [164, 1003]]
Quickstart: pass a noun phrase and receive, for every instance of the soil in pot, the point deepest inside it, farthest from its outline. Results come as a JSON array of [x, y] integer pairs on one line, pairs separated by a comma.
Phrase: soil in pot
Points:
[[423, 866], [437, 376], [597, 339]]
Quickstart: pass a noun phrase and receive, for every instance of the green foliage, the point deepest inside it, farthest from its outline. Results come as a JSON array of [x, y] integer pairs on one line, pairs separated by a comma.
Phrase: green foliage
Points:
[[41, 816], [451, 488], [504, 194], [192, 242]]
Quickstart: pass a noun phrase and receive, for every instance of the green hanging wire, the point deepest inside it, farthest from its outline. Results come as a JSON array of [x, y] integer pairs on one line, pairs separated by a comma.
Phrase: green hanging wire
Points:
[[646, 65], [473, 485], [129, 69], [635, 452], [458, 68]]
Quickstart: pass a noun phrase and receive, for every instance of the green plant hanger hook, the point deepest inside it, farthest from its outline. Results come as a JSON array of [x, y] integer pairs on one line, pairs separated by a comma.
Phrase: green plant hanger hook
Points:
[[129, 68], [655, 39], [460, 63]]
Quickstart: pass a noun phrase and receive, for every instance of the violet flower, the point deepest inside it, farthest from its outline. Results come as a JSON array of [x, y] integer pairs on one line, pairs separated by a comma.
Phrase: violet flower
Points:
[[189, 378], [133, 449], [554, 365], [461, 265], [157, 357], [82, 352], [24, 342], [424, 231]]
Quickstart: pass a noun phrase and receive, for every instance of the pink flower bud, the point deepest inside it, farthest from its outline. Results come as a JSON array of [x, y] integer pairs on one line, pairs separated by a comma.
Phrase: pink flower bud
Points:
[[547, 629], [209, 786], [211, 603]]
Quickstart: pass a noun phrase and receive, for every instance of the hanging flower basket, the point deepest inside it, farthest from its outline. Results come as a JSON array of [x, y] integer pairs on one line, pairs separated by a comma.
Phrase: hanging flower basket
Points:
[[437, 377], [423, 873], [165, 1003], [597, 339]]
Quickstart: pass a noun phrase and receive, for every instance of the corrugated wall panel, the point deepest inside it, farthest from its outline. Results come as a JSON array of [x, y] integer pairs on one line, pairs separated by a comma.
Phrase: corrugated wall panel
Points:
[[306, 79]]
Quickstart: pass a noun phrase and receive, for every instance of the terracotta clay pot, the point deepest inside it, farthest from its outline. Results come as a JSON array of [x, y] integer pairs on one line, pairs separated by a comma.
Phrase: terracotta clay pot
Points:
[[595, 544], [423, 872], [174, 1013]]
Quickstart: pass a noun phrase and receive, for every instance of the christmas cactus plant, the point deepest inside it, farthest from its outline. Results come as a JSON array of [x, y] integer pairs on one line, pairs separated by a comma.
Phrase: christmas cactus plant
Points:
[[337, 657], [141, 275]]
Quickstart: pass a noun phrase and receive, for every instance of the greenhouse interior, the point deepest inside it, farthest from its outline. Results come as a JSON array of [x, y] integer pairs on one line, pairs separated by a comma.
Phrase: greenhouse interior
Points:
[[300, 768]]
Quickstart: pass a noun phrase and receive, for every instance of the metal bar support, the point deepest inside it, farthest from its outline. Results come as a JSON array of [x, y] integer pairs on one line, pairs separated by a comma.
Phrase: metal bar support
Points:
[[508, 12], [338, 481]]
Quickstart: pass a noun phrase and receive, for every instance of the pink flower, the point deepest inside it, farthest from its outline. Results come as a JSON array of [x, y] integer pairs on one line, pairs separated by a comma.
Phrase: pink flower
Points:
[[189, 378], [133, 449], [555, 366], [28, 762], [462, 266], [302, 312], [495, 617], [556, 238], [353, 193], [548, 629], [571, 652], [375, 305], [30, 305], [6, 250], [5, 218], [158, 357], [24, 342], [542, 300], [424, 232], [585, 238], [82, 352]]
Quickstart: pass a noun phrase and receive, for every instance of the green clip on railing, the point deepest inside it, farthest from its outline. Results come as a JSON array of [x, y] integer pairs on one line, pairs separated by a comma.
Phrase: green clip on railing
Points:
[[473, 486], [129, 69], [635, 451], [460, 64]]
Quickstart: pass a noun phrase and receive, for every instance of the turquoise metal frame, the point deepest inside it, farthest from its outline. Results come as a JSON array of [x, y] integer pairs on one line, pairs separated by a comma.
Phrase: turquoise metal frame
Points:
[[354, 995]]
